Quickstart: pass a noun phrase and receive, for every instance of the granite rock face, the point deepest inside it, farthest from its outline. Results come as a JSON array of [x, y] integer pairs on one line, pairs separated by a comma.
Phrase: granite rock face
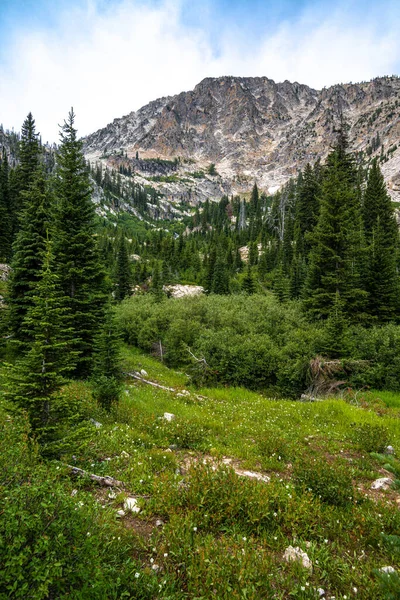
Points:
[[251, 128]]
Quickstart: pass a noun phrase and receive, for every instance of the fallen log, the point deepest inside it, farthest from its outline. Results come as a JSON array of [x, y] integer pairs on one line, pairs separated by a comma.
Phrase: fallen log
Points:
[[105, 480], [157, 385]]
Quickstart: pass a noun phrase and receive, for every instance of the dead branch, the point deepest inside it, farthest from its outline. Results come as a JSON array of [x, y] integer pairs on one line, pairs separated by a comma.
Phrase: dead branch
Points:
[[157, 385], [105, 481]]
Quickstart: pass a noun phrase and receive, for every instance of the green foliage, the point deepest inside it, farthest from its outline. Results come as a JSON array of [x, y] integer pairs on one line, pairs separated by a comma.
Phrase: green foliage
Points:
[[78, 264], [331, 482], [56, 542], [123, 271], [371, 437], [28, 252], [107, 373]]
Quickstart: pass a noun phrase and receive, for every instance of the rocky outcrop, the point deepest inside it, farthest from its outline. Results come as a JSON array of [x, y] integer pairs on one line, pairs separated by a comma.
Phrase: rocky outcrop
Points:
[[251, 128]]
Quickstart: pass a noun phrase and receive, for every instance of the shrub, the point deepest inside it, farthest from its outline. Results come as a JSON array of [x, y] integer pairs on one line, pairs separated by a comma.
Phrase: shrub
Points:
[[331, 482], [371, 437]]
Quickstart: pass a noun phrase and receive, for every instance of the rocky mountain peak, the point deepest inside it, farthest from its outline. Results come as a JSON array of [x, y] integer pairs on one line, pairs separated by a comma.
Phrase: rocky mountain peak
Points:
[[253, 128]]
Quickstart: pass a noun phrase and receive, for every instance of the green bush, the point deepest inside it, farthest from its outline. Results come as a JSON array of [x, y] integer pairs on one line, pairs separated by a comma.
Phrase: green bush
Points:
[[330, 482], [371, 437], [56, 542]]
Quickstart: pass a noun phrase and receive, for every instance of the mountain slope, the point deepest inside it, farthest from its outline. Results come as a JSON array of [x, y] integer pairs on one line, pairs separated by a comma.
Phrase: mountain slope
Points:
[[253, 129]]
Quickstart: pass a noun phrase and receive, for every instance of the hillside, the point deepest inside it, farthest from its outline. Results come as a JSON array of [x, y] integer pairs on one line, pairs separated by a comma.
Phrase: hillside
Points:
[[251, 129]]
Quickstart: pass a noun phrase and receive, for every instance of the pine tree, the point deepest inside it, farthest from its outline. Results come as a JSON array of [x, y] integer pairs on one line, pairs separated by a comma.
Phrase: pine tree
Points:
[[79, 269], [107, 373], [28, 253], [381, 233], [123, 271], [336, 259], [34, 381], [29, 160], [248, 284], [156, 287], [220, 283], [5, 212]]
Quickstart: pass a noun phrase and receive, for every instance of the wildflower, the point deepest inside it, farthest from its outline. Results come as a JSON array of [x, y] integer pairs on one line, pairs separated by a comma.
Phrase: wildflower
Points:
[[137, 575], [194, 528]]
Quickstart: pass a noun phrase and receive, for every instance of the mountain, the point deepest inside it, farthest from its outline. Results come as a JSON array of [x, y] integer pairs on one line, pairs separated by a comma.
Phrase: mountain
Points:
[[251, 129]]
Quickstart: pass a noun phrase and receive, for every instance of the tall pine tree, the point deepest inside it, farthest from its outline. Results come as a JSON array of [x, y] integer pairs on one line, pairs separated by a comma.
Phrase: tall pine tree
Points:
[[28, 253], [79, 268], [381, 233], [336, 259]]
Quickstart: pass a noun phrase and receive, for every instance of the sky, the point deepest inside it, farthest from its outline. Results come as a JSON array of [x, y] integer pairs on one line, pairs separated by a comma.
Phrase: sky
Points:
[[107, 58]]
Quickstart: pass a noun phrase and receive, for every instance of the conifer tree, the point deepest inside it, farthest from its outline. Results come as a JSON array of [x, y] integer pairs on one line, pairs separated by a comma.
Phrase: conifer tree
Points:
[[381, 233], [220, 282], [35, 379], [156, 287], [123, 271], [79, 268], [28, 253], [336, 259], [107, 373], [248, 284], [5, 213], [29, 160]]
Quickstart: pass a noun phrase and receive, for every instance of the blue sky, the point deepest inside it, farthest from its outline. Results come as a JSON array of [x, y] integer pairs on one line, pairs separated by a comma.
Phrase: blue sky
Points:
[[109, 57]]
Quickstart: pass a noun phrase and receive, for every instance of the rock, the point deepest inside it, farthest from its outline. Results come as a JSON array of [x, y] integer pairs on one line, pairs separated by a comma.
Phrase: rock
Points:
[[297, 555], [383, 483], [183, 291], [96, 423], [321, 592], [124, 454], [121, 513], [5, 271], [112, 495], [74, 493], [159, 523], [169, 416], [131, 505], [253, 475], [155, 567], [388, 570], [389, 450], [143, 373]]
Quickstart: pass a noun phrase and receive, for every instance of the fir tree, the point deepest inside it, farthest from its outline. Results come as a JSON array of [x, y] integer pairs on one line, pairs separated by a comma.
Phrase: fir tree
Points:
[[156, 287], [336, 260], [248, 284], [381, 235], [107, 373], [220, 282], [28, 252], [29, 160], [5, 212], [36, 379], [78, 264], [123, 271]]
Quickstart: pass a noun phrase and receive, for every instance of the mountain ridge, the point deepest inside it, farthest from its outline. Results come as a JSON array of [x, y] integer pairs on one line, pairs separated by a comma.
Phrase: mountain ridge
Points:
[[254, 129]]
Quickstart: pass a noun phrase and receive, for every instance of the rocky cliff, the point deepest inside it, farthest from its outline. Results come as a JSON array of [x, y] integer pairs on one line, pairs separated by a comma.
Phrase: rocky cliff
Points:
[[251, 128]]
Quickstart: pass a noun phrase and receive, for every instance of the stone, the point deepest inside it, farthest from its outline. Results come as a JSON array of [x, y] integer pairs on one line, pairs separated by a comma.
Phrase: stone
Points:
[[389, 450], [112, 495], [321, 592], [143, 373], [253, 475], [169, 416], [121, 513], [389, 570], [155, 567], [296, 554], [383, 483], [159, 523], [131, 505], [183, 291]]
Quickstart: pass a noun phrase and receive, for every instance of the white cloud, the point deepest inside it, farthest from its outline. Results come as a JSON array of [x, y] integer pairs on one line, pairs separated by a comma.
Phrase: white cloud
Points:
[[106, 64]]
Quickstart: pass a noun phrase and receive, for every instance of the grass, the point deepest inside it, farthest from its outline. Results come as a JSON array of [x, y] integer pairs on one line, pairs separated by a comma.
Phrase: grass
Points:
[[223, 535]]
